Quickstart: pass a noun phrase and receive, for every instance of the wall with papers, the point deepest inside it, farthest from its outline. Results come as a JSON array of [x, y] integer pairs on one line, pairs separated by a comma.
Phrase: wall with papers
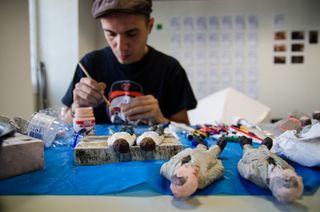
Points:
[[234, 43]]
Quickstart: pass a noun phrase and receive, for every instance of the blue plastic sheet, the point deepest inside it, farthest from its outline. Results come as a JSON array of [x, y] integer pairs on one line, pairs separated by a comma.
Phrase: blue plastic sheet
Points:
[[62, 177]]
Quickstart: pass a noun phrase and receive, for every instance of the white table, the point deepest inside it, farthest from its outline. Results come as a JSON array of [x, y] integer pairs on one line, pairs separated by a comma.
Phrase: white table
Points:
[[137, 201]]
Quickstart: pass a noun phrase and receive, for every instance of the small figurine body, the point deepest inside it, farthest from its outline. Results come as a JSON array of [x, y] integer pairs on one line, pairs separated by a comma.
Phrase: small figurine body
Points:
[[151, 138], [121, 141], [196, 168], [268, 170]]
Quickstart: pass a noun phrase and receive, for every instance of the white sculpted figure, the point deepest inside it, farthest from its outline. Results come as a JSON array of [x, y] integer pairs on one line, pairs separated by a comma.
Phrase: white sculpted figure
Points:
[[121, 141], [268, 170], [196, 168], [151, 138]]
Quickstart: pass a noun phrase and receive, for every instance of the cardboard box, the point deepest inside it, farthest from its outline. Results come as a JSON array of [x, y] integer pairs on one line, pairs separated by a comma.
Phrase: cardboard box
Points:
[[226, 105]]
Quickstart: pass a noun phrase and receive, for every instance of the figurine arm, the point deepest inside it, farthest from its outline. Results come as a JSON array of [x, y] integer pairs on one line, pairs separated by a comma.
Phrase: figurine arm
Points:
[[213, 173], [168, 168], [247, 147], [245, 169], [214, 151]]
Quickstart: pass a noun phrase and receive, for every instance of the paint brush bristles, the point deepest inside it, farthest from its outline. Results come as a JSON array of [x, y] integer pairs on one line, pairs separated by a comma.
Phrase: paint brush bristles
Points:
[[87, 74]]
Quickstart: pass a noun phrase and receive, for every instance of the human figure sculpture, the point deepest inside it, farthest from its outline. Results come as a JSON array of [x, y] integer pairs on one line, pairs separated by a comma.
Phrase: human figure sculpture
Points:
[[151, 138], [193, 169], [268, 170], [121, 141]]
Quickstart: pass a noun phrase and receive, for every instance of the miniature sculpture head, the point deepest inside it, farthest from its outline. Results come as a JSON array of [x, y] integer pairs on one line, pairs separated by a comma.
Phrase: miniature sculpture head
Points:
[[185, 181], [151, 138], [193, 169], [266, 169], [121, 145], [121, 141], [285, 185], [147, 144]]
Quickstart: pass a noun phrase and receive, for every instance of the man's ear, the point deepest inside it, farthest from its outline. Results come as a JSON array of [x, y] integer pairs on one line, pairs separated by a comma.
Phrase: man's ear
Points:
[[150, 25]]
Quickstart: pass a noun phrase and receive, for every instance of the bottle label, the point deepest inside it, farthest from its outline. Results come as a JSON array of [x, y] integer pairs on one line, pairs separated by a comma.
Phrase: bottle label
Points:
[[87, 125], [41, 127]]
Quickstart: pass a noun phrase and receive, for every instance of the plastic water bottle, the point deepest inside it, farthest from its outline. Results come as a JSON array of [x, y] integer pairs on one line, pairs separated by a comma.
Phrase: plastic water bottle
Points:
[[44, 127]]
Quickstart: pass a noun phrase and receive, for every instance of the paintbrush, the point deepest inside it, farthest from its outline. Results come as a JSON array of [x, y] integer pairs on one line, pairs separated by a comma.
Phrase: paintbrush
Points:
[[87, 74]]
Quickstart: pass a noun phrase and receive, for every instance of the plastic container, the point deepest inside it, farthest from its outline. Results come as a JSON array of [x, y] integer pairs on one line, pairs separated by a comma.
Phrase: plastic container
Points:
[[243, 122], [44, 127], [84, 120]]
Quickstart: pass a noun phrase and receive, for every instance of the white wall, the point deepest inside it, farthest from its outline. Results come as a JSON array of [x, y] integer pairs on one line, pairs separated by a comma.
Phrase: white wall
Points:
[[89, 29], [67, 32], [15, 79], [290, 87], [283, 88], [70, 32], [58, 35]]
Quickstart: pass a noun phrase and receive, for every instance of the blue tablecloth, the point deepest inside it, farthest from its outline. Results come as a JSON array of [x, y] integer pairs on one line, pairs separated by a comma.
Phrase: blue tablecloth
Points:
[[62, 177]]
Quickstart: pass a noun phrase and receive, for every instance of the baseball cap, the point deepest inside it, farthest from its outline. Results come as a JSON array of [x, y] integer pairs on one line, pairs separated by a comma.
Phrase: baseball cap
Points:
[[105, 7]]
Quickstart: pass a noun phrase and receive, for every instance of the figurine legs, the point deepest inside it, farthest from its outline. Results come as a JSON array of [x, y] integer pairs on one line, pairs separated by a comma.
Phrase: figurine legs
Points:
[[267, 142], [244, 140], [222, 142]]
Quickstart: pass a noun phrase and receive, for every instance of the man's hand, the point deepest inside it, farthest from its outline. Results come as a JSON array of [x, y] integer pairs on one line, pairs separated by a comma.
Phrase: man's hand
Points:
[[88, 92], [144, 108]]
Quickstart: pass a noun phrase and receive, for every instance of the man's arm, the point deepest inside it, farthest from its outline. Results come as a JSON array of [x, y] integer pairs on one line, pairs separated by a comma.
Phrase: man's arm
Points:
[[87, 92], [67, 115], [181, 116], [68, 112]]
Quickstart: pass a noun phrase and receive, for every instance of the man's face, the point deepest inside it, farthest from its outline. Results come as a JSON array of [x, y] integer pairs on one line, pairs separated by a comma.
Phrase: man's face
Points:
[[127, 36]]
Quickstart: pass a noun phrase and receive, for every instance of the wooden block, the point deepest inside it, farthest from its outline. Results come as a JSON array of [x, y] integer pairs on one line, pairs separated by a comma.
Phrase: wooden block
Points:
[[93, 150], [20, 154]]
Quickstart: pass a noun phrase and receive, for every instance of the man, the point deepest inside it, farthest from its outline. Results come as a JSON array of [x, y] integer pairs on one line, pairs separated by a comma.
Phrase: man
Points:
[[143, 85]]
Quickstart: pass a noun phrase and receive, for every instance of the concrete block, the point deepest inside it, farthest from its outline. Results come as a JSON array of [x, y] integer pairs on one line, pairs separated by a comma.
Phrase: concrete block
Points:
[[20, 154], [93, 150]]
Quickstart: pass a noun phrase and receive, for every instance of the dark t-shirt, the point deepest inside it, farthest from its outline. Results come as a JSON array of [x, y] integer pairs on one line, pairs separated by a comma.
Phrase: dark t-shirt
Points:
[[157, 74]]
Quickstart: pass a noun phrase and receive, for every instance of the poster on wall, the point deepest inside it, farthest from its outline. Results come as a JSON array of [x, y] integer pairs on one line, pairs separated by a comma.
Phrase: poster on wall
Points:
[[313, 37], [212, 48], [297, 35], [278, 21], [289, 46], [297, 59]]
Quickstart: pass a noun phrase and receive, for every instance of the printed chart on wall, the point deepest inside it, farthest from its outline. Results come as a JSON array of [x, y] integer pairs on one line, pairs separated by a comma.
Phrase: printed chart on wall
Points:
[[289, 45], [217, 51]]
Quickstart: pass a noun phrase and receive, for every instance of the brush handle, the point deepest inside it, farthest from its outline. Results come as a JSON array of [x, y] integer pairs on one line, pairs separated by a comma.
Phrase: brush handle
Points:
[[87, 74]]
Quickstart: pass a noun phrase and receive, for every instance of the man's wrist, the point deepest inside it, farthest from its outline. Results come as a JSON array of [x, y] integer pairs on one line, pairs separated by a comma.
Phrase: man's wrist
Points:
[[74, 106], [163, 120], [66, 115]]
